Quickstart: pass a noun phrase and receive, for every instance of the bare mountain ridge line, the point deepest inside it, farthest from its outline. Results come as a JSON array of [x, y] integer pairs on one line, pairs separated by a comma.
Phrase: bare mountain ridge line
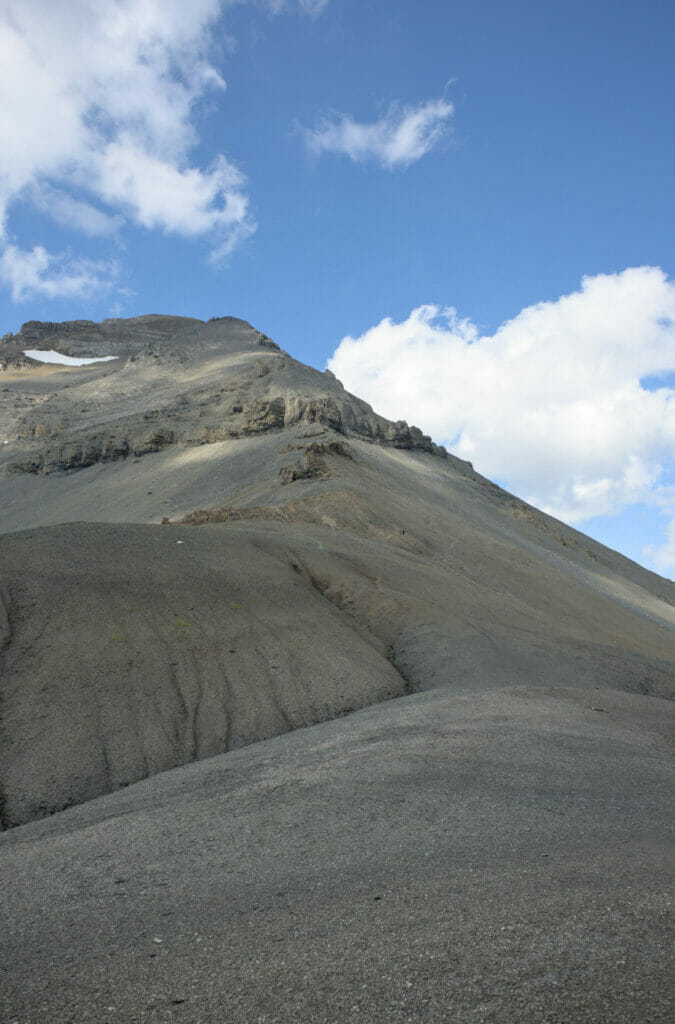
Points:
[[53, 434], [76, 337], [337, 562], [487, 839]]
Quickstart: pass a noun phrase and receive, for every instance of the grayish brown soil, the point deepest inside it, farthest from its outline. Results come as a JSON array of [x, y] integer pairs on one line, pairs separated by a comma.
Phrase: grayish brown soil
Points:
[[487, 842]]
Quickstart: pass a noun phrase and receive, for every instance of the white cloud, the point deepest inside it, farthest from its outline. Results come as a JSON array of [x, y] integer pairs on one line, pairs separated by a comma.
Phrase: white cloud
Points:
[[403, 136], [101, 118], [97, 128], [157, 194], [311, 7], [38, 272], [552, 402], [76, 214], [663, 556]]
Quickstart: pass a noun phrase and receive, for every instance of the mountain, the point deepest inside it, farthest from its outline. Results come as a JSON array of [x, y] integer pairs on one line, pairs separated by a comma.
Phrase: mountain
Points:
[[207, 544]]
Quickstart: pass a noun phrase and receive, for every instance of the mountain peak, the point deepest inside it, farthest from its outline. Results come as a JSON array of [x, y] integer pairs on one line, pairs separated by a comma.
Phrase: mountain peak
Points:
[[206, 542], [168, 381]]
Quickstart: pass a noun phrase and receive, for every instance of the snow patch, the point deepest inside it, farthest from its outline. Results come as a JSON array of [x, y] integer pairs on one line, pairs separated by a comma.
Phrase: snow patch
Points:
[[50, 356]]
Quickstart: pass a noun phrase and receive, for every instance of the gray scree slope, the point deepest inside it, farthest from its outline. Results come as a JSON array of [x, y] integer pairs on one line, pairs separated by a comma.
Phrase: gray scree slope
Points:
[[206, 544]]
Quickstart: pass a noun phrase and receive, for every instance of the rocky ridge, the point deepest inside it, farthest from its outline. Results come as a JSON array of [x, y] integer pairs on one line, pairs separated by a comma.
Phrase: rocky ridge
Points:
[[354, 734], [205, 543], [152, 400]]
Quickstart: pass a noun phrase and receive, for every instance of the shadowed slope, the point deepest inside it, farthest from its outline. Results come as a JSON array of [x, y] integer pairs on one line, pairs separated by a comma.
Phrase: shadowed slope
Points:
[[492, 849], [315, 558], [435, 858], [128, 653]]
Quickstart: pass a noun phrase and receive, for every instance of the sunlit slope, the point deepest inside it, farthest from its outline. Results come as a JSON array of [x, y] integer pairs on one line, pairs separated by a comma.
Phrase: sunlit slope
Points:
[[131, 649], [313, 559]]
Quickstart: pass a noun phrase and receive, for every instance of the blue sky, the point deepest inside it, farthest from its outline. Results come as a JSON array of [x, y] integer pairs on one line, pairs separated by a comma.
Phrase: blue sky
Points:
[[467, 207]]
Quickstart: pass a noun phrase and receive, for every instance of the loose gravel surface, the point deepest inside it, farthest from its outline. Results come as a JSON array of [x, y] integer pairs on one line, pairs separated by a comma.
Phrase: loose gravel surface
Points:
[[208, 551], [435, 858]]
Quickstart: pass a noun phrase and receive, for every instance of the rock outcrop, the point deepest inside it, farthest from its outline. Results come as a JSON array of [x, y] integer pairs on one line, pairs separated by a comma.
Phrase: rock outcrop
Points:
[[314, 558], [147, 399]]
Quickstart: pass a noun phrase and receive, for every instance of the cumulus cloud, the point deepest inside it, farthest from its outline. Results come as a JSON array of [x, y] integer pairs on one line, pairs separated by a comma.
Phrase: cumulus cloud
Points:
[[100, 127], [403, 136], [97, 127], [40, 273], [554, 403], [157, 194]]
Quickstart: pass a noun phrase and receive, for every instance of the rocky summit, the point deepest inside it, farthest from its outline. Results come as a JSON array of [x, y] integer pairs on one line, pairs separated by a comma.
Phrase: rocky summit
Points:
[[302, 719], [174, 382]]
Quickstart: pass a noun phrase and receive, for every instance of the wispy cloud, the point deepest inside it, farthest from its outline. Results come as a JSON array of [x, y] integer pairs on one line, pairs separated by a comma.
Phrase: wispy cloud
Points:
[[74, 214], [311, 7], [36, 272], [552, 402], [663, 555], [400, 138], [100, 129]]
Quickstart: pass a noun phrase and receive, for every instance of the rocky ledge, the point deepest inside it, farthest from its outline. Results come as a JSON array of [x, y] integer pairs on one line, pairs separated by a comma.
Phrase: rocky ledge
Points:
[[176, 382]]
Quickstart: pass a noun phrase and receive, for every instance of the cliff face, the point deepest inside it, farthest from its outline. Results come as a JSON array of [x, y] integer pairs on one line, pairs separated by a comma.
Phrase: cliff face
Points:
[[173, 382], [206, 543]]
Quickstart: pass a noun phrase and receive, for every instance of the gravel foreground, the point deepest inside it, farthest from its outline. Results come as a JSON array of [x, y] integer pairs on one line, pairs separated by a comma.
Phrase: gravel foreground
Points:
[[464, 859], [303, 720]]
